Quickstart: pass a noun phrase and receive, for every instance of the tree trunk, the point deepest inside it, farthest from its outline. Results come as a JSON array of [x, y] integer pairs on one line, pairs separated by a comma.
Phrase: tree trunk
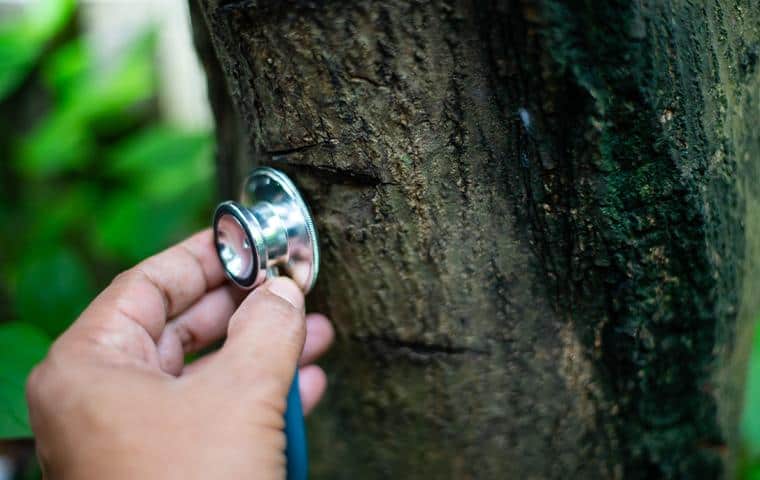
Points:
[[536, 219]]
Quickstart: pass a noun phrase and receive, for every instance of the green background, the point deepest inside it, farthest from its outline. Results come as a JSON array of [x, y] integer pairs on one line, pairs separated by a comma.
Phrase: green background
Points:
[[92, 180]]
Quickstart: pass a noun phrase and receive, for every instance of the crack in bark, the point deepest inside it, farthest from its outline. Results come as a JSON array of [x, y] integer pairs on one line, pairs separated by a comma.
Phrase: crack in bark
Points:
[[330, 174], [417, 347], [289, 151], [353, 77]]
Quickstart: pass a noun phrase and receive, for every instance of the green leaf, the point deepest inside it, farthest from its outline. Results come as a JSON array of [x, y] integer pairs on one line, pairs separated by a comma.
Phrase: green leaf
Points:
[[131, 228], [164, 162], [114, 95], [750, 421], [90, 105], [749, 471], [61, 142], [167, 175], [47, 214], [17, 56], [67, 69], [21, 347], [53, 286], [73, 204], [23, 40]]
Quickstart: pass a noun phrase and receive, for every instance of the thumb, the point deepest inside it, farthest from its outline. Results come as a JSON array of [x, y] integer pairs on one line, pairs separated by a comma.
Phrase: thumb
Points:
[[265, 336]]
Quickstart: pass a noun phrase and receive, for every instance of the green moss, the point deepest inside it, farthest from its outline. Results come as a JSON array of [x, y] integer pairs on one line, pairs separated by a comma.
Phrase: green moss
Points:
[[651, 208]]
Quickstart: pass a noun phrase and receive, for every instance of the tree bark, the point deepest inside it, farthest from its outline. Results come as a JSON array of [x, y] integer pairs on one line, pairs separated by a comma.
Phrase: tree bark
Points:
[[536, 219]]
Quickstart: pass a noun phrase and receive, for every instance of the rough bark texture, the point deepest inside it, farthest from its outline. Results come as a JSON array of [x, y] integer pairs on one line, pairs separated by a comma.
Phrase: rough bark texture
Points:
[[537, 223]]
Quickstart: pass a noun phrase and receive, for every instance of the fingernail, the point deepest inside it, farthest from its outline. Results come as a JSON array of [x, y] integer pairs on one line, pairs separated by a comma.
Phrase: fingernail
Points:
[[287, 290]]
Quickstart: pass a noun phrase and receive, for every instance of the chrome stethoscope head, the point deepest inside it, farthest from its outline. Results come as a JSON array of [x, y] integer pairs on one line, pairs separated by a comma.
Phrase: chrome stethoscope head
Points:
[[269, 232]]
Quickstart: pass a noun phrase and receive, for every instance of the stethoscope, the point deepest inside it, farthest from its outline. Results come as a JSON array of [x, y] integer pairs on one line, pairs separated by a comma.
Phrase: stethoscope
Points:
[[271, 232]]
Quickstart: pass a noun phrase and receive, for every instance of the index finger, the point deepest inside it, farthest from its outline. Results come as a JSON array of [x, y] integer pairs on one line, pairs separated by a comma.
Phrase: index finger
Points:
[[161, 286]]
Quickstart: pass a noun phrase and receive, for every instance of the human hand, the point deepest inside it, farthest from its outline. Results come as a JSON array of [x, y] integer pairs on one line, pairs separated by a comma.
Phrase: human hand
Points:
[[113, 399]]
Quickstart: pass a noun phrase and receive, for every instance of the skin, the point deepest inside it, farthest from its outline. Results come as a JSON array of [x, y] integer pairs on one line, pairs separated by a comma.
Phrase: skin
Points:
[[113, 398]]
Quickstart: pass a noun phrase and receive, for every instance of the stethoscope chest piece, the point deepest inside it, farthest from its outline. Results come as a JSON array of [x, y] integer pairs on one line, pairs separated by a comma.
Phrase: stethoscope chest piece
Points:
[[269, 232]]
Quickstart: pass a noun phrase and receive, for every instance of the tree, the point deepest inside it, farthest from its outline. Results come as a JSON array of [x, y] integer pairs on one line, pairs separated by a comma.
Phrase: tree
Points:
[[536, 218]]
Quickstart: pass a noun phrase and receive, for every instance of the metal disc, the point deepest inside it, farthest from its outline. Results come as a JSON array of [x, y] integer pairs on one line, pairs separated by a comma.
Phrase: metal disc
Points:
[[266, 184]]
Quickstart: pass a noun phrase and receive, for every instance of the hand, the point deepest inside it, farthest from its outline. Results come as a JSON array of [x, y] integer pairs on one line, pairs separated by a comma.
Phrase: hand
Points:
[[113, 399]]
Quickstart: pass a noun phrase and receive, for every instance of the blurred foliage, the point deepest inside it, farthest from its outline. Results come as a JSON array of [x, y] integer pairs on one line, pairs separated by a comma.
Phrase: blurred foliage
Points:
[[23, 41], [91, 181], [22, 346], [749, 457]]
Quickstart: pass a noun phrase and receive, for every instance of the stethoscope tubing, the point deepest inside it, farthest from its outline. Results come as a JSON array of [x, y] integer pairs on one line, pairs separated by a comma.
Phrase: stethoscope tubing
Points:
[[295, 435]]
